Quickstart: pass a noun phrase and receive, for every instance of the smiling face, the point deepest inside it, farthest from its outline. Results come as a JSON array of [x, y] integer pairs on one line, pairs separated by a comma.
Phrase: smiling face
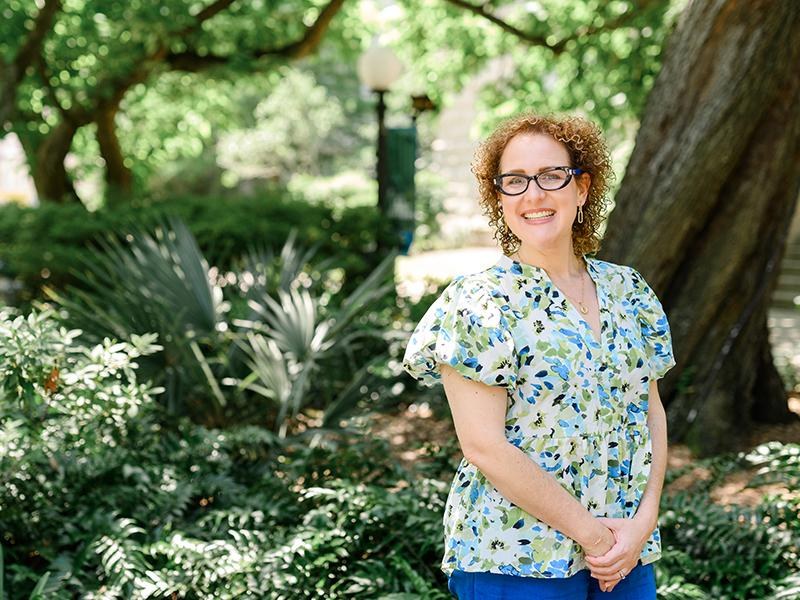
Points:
[[531, 153]]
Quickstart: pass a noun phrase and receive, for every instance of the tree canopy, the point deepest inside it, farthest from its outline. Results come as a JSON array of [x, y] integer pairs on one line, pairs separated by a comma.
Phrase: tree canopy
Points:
[[130, 87]]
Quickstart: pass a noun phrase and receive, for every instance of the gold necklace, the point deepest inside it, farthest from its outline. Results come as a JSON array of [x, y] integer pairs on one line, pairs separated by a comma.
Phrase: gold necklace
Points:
[[581, 305], [583, 308]]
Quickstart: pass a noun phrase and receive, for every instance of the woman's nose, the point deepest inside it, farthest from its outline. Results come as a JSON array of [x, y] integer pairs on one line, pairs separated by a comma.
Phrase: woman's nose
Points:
[[534, 192]]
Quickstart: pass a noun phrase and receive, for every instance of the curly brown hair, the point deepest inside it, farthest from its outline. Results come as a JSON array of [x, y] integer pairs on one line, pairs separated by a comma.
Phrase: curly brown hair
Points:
[[587, 150]]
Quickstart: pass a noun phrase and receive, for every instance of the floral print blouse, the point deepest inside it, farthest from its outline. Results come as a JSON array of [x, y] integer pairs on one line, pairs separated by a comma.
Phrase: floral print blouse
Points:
[[576, 406]]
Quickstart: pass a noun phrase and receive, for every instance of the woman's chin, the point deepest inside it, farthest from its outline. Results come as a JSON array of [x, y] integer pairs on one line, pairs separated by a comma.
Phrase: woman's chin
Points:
[[541, 236]]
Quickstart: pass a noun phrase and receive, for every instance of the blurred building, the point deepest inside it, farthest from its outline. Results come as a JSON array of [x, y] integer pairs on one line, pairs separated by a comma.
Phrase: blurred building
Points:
[[462, 221]]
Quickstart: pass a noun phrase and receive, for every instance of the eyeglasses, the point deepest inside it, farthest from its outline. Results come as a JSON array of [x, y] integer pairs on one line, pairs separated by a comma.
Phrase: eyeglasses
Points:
[[555, 178]]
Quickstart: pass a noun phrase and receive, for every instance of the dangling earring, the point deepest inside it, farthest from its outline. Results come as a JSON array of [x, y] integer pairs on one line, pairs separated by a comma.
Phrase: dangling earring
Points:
[[580, 213]]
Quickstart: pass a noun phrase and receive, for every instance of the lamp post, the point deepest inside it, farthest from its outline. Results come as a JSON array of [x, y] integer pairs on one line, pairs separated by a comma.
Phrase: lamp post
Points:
[[378, 69]]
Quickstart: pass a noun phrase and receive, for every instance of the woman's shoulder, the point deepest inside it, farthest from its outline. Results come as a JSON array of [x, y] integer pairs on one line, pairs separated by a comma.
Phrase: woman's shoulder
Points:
[[609, 267], [487, 283], [631, 286], [466, 328], [617, 274]]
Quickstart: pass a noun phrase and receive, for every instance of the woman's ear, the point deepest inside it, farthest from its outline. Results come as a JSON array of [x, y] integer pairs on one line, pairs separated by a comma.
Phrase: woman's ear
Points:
[[584, 181]]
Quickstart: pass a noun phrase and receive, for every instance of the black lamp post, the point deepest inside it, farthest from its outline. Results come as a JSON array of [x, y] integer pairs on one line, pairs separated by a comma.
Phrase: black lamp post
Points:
[[378, 69], [382, 172]]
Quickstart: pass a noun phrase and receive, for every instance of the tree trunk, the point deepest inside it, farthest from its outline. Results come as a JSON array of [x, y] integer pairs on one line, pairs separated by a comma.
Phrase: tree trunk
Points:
[[49, 173], [705, 206], [118, 177]]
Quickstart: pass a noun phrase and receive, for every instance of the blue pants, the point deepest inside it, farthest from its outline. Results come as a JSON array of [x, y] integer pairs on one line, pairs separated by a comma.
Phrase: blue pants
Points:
[[639, 584]]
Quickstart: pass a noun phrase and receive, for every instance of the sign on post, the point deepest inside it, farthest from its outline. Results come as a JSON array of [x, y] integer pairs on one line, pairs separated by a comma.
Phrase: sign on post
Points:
[[401, 155]]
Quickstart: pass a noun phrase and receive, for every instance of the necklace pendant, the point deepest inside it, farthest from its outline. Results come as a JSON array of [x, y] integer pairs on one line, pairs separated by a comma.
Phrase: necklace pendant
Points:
[[584, 310]]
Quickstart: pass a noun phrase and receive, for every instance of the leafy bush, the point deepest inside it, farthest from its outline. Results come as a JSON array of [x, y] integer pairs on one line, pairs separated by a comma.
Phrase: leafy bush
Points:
[[65, 411], [736, 552], [103, 496], [43, 245], [291, 349]]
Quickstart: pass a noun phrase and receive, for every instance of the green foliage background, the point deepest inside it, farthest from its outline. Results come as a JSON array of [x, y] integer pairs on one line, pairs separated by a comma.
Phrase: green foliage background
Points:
[[181, 88], [109, 497], [104, 491]]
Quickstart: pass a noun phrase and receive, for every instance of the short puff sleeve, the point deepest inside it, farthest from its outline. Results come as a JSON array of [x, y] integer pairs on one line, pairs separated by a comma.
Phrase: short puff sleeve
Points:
[[655, 327], [467, 329]]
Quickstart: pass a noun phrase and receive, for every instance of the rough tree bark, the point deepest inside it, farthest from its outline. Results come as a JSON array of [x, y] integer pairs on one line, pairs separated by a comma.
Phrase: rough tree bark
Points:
[[705, 206]]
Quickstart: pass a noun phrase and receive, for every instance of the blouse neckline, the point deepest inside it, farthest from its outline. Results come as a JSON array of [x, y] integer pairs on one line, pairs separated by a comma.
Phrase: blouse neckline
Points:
[[540, 276], [539, 273]]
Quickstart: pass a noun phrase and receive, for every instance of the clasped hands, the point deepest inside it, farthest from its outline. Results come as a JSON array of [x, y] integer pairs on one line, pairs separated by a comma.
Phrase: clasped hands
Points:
[[612, 567]]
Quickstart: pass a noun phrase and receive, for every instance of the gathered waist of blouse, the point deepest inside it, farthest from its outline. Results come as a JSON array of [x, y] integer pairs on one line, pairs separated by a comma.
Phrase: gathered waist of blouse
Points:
[[533, 437]]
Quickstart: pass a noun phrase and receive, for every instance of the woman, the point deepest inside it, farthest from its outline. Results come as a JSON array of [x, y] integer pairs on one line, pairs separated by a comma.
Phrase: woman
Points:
[[549, 360]]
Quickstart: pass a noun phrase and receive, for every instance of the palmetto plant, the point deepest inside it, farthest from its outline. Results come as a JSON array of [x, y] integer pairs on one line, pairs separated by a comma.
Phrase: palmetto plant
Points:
[[155, 282], [289, 341], [290, 350]]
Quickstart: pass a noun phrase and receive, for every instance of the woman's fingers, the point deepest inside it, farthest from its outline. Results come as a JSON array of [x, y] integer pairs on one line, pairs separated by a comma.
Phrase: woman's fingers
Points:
[[610, 571], [617, 575], [611, 557], [608, 585]]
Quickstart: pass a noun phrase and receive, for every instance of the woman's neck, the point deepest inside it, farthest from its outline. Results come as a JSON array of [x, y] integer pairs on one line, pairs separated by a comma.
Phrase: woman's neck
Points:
[[559, 266]]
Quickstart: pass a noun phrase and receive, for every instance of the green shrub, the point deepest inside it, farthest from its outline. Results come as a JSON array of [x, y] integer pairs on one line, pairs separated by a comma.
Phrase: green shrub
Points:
[[103, 495], [299, 343], [45, 244], [735, 552], [65, 411]]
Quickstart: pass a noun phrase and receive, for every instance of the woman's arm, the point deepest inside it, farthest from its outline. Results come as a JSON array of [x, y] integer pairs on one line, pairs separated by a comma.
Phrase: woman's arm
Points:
[[647, 513], [479, 414]]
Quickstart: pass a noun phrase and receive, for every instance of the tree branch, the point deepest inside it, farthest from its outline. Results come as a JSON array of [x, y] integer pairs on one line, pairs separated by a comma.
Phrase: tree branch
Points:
[[194, 62], [121, 85], [533, 40], [559, 46], [620, 20], [118, 176], [312, 38], [30, 49], [33, 44], [211, 10]]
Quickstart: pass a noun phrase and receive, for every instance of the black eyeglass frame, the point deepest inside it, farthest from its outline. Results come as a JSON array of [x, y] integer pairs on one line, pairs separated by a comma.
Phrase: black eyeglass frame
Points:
[[570, 171]]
